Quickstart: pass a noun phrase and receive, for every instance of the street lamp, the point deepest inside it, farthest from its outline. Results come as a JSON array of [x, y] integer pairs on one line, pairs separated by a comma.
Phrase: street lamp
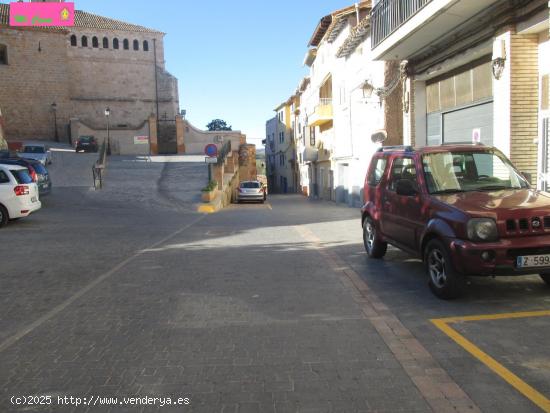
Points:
[[108, 115], [54, 110]]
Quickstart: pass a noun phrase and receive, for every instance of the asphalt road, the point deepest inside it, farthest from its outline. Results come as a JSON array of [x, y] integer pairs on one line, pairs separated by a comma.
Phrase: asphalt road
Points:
[[258, 308]]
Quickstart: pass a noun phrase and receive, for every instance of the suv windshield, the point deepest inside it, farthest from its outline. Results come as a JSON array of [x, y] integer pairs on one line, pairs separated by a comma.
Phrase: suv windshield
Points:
[[470, 171]]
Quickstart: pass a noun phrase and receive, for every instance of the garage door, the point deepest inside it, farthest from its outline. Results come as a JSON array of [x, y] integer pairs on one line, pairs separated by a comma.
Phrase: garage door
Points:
[[459, 125]]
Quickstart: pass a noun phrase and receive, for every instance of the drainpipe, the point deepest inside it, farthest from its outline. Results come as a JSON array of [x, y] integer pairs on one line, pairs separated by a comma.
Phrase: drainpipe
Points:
[[156, 81], [357, 12]]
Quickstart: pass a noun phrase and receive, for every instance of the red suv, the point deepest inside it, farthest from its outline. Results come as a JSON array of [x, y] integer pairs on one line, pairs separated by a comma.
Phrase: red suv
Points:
[[464, 209]]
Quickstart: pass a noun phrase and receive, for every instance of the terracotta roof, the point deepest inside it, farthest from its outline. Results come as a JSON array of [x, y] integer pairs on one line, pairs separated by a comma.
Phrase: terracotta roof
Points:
[[332, 24], [320, 31], [85, 20], [356, 36]]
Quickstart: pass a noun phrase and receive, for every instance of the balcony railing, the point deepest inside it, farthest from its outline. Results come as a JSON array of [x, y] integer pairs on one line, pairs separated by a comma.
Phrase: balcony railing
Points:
[[389, 15], [325, 101]]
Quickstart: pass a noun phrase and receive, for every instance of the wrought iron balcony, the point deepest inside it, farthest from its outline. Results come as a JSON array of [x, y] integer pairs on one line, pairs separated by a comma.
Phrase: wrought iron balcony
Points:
[[389, 15]]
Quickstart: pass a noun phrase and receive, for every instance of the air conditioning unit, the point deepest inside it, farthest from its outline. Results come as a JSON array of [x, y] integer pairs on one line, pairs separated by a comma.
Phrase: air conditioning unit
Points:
[[218, 139]]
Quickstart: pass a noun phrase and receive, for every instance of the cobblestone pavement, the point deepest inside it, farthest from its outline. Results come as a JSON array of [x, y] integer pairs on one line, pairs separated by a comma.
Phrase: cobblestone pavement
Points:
[[259, 308]]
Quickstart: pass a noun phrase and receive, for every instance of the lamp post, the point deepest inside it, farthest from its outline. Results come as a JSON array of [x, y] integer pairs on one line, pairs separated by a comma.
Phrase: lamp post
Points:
[[54, 110], [108, 115]]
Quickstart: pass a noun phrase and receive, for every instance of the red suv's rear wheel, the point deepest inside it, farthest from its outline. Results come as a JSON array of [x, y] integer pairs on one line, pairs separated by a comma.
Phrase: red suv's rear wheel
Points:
[[445, 282], [373, 245]]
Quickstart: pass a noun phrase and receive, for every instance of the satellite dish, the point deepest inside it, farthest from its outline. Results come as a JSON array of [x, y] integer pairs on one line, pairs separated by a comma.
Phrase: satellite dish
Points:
[[379, 136]]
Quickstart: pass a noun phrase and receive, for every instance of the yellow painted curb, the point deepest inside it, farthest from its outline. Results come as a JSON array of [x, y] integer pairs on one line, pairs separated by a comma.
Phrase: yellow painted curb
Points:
[[206, 209]]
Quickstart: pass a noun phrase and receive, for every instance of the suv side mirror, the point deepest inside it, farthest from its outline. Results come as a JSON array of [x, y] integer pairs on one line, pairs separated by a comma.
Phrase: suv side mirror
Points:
[[405, 187]]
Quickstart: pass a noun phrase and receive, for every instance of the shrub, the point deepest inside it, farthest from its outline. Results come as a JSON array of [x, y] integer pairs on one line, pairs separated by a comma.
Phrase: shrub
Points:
[[210, 187]]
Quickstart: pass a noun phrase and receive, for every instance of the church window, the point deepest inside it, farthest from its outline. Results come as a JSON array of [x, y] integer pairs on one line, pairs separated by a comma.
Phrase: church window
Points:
[[145, 46], [105, 43], [136, 45], [73, 40], [115, 43], [84, 41], [95, 42], [126, 44], [3, 54]]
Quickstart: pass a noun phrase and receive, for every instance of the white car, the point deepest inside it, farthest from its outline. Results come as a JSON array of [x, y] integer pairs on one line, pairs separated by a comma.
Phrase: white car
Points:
[[18, 193], [251, 191], [37, 152]]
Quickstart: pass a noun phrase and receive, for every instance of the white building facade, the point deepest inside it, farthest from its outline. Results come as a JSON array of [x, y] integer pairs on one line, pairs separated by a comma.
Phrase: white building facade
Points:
[[340, 107]]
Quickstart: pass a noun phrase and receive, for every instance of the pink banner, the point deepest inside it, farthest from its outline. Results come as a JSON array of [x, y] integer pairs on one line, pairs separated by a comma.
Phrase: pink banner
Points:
[[41, 14]]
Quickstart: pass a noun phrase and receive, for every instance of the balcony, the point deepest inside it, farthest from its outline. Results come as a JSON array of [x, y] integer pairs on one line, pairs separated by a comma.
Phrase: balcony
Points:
[[310, 154], [323, 113], [402, 28]]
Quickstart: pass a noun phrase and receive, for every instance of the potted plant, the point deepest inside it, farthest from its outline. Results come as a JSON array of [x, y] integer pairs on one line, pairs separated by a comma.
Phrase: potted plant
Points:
[[209, 191]]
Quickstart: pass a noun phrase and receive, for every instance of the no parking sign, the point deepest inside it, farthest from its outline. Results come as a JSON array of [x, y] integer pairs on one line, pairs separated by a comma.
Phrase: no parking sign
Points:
[[211, 150]]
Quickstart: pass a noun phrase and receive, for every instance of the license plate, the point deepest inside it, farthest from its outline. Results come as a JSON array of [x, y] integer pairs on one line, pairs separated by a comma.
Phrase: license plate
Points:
[[33, 199], [527, 261]]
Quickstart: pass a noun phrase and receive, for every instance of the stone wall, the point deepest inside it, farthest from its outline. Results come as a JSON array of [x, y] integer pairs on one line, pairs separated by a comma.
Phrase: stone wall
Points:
[[247, 163], [44, 68], [35, 77], [123, 80], [195, 139], [121, 140]]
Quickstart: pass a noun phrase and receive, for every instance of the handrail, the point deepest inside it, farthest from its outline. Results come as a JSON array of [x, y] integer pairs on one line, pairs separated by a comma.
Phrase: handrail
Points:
[[225, 150], [389, 15], [99, 166]]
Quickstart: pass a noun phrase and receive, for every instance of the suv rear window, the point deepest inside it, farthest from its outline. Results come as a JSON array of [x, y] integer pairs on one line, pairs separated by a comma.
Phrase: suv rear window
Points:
[[34, 149], [21, 176], [250, 185], [377, 171]]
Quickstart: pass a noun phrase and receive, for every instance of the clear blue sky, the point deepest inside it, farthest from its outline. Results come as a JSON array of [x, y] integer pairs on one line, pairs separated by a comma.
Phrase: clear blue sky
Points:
[[235, 60]]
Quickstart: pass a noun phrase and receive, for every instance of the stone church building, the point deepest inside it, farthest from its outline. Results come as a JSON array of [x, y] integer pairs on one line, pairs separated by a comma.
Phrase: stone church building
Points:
[[54, 78]]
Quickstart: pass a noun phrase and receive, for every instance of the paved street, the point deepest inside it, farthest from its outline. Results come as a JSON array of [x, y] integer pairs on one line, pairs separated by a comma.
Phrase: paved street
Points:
[[259, 308]]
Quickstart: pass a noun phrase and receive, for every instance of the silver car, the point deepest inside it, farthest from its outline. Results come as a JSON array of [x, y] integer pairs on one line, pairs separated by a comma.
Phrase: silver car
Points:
[[37, 152], [251, 191]]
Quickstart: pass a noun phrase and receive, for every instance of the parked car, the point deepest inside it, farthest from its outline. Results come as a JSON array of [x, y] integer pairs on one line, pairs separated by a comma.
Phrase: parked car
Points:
[[37, 171], [37, 152], [18, 193], [251, 191], [86, 144], [464, 209]]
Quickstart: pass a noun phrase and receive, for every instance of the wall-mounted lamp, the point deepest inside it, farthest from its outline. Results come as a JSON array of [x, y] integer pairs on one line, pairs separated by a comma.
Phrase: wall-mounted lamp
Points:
[[367, 89], [499, 58]]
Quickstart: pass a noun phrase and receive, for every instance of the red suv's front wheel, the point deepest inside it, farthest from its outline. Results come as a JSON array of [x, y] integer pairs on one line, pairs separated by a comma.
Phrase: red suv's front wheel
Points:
[[444, 282], [373, 245]]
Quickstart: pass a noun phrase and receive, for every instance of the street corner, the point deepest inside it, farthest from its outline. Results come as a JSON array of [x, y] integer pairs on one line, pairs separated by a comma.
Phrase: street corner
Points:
[[510, 345]]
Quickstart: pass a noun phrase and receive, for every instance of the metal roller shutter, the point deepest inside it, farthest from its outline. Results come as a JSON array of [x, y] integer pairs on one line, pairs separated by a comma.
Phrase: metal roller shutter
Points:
[[458, 125]]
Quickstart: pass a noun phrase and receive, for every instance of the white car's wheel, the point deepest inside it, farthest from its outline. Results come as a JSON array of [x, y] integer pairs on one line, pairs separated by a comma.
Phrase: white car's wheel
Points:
[[4, 217]]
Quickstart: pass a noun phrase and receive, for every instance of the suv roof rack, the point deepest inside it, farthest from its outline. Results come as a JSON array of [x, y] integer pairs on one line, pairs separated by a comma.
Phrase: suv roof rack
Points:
[[406, 148], [462, 143]]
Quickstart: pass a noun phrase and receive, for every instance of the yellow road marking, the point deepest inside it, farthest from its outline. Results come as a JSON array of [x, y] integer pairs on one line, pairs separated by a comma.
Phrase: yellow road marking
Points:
[[531, 393], [269, 206], [525, 314]]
